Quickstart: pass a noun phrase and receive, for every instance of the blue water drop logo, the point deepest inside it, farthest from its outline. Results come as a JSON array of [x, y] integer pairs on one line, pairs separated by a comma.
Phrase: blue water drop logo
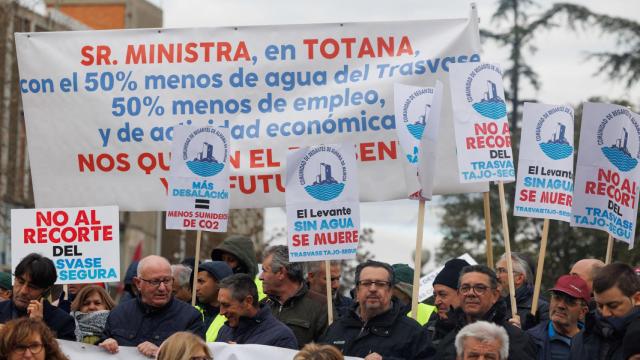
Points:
[[491, 105], [618, 153], [557, 147], [325, 187]]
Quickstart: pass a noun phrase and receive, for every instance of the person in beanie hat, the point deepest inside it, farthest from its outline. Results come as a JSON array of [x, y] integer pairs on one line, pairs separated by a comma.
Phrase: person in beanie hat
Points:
[[445, 286], [5, 286], [403, 292], [210, 274], [445, 292], [567, 309]]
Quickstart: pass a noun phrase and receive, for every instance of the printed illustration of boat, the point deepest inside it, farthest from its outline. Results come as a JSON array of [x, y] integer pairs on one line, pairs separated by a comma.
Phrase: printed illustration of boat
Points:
[[491, 105], [618, 153], [557, 147], [324, 188], [417, 128], [205, 164]]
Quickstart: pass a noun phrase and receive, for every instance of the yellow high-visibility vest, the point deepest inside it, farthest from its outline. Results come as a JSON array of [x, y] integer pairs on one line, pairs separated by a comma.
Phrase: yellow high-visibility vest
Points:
[[424, 313]]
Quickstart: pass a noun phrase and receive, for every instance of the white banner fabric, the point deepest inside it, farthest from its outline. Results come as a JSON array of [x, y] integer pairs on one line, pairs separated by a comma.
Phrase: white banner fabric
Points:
[[83, 243], [99, 115], [544, 188], [220, 351], [606, 187]]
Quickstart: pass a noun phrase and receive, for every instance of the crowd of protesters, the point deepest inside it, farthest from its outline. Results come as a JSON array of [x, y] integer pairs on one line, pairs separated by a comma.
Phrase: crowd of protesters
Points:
[[592, 311]]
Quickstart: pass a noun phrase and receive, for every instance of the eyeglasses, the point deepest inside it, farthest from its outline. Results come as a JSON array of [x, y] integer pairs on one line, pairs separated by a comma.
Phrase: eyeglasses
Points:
[[157, 283], [376, 283], [478, 289], [570, 301], [34, 348]]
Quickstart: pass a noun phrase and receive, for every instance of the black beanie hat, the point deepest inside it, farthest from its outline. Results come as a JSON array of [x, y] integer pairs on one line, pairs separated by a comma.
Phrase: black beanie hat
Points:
[[450, 273]]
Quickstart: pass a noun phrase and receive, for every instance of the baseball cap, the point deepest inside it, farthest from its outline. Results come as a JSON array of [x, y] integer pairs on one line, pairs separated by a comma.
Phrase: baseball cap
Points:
[[574, 286]]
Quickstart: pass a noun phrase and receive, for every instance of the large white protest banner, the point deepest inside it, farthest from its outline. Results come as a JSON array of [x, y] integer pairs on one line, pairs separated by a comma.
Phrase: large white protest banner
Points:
[[415, 120], [220, 351], [199, 179], [323, 211], [544, 188], [606, 188], [107, 101], [84, 243], [480, 120]]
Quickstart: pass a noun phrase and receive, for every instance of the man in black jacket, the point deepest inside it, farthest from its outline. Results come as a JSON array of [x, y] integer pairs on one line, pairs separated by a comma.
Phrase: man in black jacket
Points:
[[375, 328], [480, 300], [34, 277], [154, 315], [616, 289], [249, 322]]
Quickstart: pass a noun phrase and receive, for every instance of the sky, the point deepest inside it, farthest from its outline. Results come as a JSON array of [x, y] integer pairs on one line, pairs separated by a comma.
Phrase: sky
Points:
[[565, 74]]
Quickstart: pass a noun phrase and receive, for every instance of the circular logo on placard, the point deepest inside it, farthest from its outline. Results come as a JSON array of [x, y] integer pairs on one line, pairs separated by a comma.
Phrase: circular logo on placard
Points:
[[205, 155], [552, 135], [481, 90], [323, 177], [414, 115], [620, 144]]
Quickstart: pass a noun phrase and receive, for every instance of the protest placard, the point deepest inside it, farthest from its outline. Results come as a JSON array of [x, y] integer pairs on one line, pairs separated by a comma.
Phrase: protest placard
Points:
[[606, 188], [323, 211], [480, 120], [84, 243], [417, 129], [199, 179], [276, 87], [544, 188]]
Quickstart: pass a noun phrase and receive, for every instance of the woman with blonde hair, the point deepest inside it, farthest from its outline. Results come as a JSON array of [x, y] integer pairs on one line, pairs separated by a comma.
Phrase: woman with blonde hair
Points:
[[313, 351], [90, 309], [184, 346], [26, 338]]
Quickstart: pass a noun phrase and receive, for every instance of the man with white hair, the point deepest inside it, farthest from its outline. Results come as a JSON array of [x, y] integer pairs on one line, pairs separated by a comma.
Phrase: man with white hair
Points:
[[482, 340], [523, 283], [181, 282], [154, 315]]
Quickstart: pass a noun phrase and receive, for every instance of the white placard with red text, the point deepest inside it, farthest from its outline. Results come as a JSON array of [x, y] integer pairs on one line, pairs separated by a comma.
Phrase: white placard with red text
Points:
[[544, 188], [480, 121], [323, 211], [199, 179], [83, 243], [606, 185]]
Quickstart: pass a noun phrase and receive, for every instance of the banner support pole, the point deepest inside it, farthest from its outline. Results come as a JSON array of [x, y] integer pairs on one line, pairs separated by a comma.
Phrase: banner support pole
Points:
[[195, 268], [609, 250], [507, 247], [487, 229], [327, 274], [417, 261], [543, 251]]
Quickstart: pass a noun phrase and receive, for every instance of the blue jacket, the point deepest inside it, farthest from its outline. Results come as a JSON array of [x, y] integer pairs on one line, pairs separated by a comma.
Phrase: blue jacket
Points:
[[263, 329], [540, 336], [132, 322], [57, 320]]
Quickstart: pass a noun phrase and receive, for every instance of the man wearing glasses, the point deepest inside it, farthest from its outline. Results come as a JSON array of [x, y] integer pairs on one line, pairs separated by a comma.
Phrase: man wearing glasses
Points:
[[480, 299], [616, 289], [34, 277], [567, 310], [376, 328], [154, 315]]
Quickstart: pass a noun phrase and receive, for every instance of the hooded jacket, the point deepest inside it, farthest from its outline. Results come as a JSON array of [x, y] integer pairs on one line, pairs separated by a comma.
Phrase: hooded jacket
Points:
[[56, 319], [521, 345], [242, 248], [391, 334], [262, 329], [602, 337]]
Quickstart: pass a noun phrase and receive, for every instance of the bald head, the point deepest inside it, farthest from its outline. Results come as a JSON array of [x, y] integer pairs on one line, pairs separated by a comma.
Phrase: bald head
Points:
[[154, 281], [151, 263], [586, 269]]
